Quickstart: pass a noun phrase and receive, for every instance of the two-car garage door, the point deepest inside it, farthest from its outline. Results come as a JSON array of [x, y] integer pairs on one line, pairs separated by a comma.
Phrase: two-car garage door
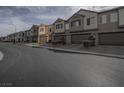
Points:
[[111, 38], [78, 38]]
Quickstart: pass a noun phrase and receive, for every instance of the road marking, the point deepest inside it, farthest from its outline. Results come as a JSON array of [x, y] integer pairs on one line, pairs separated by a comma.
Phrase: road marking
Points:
[[1, 55]]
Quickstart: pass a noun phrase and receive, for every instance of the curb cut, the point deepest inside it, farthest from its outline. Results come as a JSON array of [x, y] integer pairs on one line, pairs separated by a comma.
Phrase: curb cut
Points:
[[80, 52]]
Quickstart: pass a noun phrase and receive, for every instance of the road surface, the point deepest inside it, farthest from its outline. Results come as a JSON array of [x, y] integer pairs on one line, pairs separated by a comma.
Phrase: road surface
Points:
[[27, 66]]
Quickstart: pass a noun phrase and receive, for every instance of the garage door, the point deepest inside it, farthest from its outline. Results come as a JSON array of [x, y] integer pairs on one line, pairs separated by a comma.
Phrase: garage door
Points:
[[111, 38], [77, 39], [59, 37]]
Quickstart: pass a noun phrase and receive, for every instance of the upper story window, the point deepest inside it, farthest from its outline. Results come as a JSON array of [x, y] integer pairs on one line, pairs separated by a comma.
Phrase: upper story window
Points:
[[56, 26], [75, 23], [41, 29], [90, 20], [103, 19], [59, 26], [113, 17], [50, 30]]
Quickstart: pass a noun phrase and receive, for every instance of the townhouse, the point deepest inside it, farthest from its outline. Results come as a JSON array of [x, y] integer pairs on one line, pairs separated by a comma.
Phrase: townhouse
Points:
[[34, 33], [59, 31], [45, 34], [81, 24], [106, 27], [42, 34], [111, 27]]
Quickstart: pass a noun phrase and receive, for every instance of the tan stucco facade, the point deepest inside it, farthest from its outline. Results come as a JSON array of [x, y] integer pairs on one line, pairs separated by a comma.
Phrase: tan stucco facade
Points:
[[108, 26], [89, 14], [44, 33]]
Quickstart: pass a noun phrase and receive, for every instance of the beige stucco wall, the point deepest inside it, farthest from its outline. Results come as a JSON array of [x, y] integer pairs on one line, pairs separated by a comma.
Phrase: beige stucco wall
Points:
[[45, 35], [42, 34], [121, 17], [44, 31], [88, 14], [109, 26]]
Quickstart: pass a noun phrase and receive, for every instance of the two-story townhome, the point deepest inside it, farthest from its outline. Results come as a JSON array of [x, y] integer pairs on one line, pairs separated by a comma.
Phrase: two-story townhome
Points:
[[34, 33], [111, 26], [26, 36], [45, 34], [59, 30], [106, 26], [42, 34], [82, 24]]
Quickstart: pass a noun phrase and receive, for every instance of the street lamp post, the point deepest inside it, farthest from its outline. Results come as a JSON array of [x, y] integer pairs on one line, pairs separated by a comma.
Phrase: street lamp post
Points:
[[14, 41], [15, 34]]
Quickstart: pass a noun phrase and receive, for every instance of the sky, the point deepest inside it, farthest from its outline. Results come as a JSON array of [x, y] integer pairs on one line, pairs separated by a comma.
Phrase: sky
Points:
[[19, 18]]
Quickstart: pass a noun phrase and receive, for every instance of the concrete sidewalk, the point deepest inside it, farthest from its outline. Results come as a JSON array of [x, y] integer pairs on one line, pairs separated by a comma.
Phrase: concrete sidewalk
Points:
[[83, 52], [118, 50], [77, 49]]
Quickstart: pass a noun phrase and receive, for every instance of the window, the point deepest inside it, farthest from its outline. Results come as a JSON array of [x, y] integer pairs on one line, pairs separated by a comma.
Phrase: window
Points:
[[113, 17], [59, 26], [50, 30], [75, 23], [92, 20], [72, 24], [56, 26], [104, 19], [88, 21], [42, 29]]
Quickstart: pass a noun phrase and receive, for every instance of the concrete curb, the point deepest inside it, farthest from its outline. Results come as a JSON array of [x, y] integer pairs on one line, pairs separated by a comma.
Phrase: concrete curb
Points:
[[80, 52], [33, 46]]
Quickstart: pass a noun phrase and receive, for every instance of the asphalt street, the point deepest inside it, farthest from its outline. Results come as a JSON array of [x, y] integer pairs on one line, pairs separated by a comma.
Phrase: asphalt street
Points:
[[37, 67]]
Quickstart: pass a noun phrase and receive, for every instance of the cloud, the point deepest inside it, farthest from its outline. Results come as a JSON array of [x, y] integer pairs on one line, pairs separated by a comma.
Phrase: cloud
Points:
[[12, 25]]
